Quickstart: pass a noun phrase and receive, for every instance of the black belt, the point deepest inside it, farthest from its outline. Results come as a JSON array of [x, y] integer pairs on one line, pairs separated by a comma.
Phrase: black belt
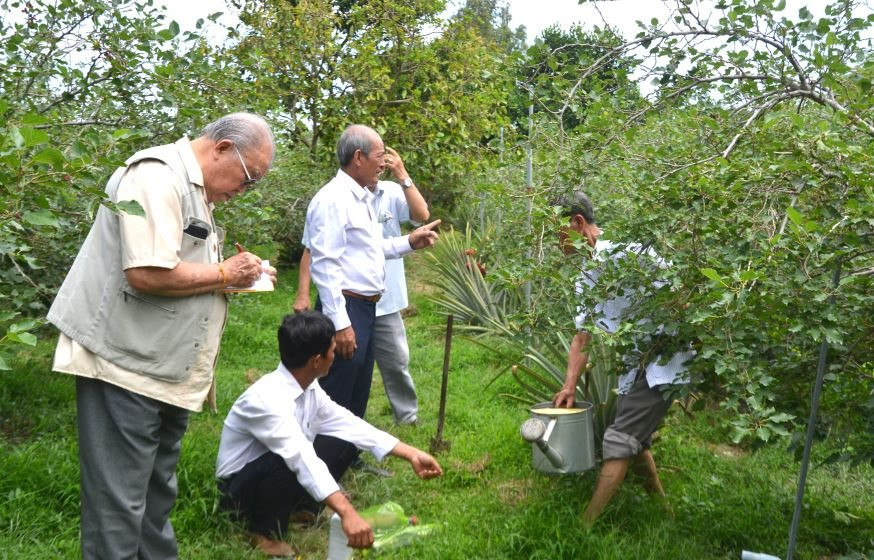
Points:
[[372, 299]]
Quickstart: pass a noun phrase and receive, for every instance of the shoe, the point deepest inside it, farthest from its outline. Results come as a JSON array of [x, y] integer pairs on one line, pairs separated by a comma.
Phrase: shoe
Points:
[[414, 422], [303, 518], [361, 466], [270, 547]]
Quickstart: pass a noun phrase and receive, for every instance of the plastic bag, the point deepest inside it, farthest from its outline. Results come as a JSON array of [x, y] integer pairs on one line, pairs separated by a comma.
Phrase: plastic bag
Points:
[[401, 536], [392, 528], [389, 515]]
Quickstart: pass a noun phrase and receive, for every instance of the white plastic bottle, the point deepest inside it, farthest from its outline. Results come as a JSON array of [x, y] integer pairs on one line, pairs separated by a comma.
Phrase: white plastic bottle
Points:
[[747, 555], [337, 549]]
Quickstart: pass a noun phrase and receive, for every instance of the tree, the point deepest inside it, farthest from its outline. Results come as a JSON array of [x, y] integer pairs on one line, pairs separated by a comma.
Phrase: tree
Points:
[[550, 73], [83, 84], [433, 91], [749, 168]]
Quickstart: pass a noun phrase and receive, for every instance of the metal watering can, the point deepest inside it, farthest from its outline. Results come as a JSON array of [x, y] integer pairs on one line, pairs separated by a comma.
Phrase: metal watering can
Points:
[[563, 438]]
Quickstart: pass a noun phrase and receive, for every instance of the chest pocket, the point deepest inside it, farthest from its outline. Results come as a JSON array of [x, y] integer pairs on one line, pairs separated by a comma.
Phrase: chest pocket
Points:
[[197, 239]]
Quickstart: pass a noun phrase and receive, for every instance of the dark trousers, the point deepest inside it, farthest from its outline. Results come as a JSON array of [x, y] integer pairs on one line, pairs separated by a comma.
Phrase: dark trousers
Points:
[[265, 493], [348, 381], [128, 449]]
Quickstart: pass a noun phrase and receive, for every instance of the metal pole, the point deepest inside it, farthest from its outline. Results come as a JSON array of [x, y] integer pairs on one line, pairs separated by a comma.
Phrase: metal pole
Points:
[[529, 184], [811, 424], [437, 444]]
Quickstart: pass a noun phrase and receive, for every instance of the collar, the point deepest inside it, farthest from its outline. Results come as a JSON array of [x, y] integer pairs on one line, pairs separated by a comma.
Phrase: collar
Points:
[[296, 389], [381, 186], [602, 247], [189, 160], [359, 192]]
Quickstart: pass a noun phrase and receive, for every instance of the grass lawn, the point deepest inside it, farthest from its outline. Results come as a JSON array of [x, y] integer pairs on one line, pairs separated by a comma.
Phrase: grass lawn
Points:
[[490, 504]]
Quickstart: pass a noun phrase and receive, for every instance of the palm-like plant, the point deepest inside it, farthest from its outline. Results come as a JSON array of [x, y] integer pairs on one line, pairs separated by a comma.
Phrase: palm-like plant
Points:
[[484, 309], [463, 291]]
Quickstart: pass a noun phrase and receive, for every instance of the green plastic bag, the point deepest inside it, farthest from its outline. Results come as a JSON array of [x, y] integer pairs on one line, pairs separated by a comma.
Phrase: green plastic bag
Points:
[[392, 528], [389, 515]]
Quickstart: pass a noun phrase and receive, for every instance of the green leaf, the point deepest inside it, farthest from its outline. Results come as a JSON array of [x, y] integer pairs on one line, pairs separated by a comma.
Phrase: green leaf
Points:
[[131, 207], [21, 337], [34, 118], [33, 136], [17, 138], [50, 156], [795, 216], [24, 326], [41, 218], [27, 338], [123, 134], [3, 365], [712, 274]]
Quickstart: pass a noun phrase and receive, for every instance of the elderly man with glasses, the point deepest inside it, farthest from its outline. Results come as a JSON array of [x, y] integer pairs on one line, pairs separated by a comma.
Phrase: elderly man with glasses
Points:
[[141, 314]]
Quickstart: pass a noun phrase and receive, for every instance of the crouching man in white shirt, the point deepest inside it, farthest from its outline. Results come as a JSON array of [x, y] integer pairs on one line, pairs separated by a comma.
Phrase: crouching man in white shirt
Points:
[[267, 466]]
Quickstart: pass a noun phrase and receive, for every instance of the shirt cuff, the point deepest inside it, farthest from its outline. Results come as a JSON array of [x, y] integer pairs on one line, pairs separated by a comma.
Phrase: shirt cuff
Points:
[[398, 247], [340, 318], [384, 446], [320, 492]]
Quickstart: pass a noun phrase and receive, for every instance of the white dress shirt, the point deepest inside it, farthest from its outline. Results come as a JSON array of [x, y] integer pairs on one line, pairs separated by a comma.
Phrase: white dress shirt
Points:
[[608, 316], [346, 245], [276, 414], [392, 210]]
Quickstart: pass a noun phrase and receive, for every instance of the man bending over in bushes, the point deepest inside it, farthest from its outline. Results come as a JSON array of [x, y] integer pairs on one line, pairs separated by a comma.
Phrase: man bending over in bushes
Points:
[[267, 464], [642, 404]]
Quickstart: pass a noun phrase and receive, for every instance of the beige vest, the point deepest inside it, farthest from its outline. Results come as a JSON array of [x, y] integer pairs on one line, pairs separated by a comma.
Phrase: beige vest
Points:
[[158, 336]]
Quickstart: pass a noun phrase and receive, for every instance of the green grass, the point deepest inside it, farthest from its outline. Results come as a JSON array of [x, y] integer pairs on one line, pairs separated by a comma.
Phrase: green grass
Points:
[[489, 504]]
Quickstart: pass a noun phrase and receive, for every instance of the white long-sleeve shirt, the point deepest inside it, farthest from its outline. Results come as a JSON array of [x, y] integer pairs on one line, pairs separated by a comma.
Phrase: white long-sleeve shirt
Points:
[[276, 414], [346, 245]]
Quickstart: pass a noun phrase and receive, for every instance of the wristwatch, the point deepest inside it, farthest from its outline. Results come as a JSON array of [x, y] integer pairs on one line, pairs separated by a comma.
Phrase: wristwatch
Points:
[[407, 183]]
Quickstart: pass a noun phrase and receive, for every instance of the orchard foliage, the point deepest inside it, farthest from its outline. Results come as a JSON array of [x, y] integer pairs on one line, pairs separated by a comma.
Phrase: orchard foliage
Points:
[[736, 142], [85, 84], [435, 90], [749, 168]]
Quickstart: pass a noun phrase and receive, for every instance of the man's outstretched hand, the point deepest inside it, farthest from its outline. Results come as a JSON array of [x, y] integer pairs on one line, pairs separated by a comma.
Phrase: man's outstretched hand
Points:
[[424, 236]]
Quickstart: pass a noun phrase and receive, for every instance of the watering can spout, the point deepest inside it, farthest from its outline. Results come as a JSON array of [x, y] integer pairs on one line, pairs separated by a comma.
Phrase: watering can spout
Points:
[[535, 431]]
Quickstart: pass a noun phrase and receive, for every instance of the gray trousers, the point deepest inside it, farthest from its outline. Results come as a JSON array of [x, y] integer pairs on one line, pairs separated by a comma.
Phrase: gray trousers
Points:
[[393, 359], [128, 449]]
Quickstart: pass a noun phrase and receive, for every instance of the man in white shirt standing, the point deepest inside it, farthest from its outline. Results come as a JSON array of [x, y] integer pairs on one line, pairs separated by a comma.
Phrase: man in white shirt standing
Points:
[[348, 255], [267, 464], [396, 203], [642, 405]]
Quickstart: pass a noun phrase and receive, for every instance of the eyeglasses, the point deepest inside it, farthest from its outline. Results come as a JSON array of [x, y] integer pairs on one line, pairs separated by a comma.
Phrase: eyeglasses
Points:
[[249, 182]]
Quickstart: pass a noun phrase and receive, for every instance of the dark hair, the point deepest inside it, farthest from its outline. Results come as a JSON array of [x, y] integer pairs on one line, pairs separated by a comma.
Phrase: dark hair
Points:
[[576, 203], [302, 336], [355, 137]]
